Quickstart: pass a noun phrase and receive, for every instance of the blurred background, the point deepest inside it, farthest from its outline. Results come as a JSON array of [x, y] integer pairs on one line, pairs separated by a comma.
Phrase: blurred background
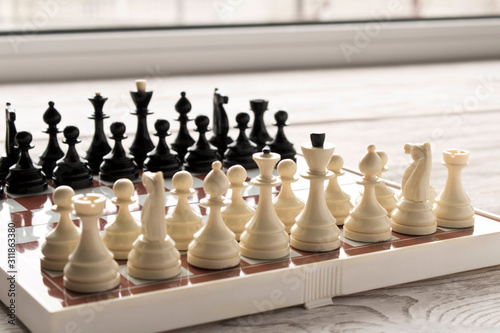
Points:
[[85, 14]]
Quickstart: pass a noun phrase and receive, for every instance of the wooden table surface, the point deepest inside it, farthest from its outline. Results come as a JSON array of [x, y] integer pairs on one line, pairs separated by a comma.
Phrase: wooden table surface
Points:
[[452, 105]]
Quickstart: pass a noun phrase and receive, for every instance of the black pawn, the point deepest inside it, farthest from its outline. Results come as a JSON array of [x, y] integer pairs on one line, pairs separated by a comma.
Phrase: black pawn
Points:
[[11, 155], [220, 126], [241, 151], [118, 164], [183, 140], [259, 134], [202, 154], [161, 158], [142, 143], [72, 170], [25, 177], [99, 146], [53, 152], [280, 144]]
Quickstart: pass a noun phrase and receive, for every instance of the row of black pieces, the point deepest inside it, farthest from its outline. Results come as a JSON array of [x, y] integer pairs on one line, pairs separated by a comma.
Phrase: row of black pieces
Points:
[[26, 177], [73, 170]]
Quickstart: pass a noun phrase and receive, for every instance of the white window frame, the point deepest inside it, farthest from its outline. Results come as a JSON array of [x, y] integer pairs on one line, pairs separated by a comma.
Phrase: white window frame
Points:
[[74, 56]]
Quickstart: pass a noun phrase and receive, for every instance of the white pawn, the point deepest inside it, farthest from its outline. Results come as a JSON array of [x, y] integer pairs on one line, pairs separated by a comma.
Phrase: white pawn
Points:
[[452, 206], [316, 229], [238, 213], [413, 213], [154, 255], [91, 267], [183, 221], [120, 235], [368, 221], [338, 202], [214, 246], [265, 236], [286, 204], [60, 242], [385, 196]]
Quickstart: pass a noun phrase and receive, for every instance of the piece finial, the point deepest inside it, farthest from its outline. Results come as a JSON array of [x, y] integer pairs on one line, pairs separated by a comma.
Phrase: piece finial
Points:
[[62, 198], [182, 181], [266, 150], [237, 175], [141, 85], [162, 126], [123, 189], [371, 164], [318, 139], [336, 163], [287, 169], [216, 182]]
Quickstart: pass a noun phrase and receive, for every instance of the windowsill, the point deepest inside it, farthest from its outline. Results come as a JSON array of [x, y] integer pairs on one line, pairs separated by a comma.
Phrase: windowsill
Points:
[[179, 52]]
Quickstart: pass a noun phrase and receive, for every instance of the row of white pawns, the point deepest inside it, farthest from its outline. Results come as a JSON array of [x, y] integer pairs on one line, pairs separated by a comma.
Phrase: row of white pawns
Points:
[[265, 233]]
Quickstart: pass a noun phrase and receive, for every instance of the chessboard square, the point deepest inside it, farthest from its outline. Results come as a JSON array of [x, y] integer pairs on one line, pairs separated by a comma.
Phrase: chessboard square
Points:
[[33, 233], [251, 190], [11, 205], [36, 201], [49, 190], [44, 216], [104, 190]]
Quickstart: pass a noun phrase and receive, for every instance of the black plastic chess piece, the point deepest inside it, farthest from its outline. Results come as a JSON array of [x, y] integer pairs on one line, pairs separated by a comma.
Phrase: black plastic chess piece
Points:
[[183, 140], [25, 177], [241, 151], [220, 124], [259, 134], [202, 154], [99, 146], [72, 170], [11, 155], [142, 143], [161, 158], [53, 152], [118, 164], [280, 144]]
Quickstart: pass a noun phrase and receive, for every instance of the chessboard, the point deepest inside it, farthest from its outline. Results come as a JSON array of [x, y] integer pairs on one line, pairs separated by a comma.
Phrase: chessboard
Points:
[[255, 286]]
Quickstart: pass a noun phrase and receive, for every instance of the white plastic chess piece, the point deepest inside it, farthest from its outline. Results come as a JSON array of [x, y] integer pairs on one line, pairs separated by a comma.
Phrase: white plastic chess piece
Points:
[[120, 235], [338, 202], [183, 221], [315, 228], [154, 255], [214, 246], [286, 204], [368, 221], [91, 267], [265, 236], [452, 207], [413, 214], [238, 213], [385, 196], [60, 242]]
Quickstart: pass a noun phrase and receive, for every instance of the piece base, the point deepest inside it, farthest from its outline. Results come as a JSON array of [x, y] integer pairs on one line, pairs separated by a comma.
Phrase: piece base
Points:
[[413, 230], [264, 253], [52, 265], [455, 224], [207, 263], [314, 247], [92, 287], [153, 274], [367, 238]]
